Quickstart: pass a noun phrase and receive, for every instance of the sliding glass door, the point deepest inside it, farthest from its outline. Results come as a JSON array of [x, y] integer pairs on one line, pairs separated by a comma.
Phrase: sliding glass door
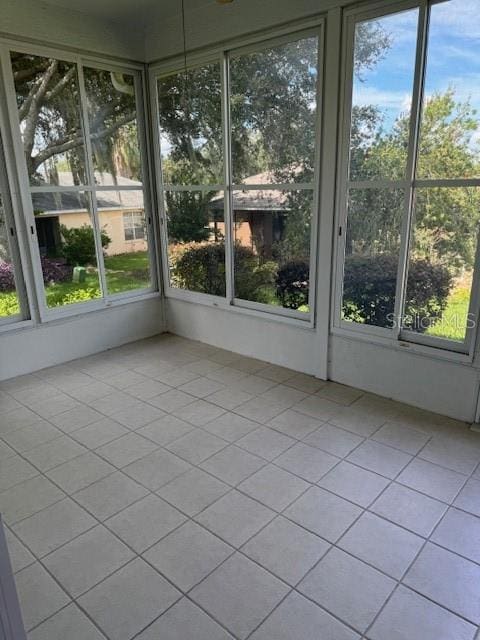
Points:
[[238, 140], [91, 229], [409, 195]]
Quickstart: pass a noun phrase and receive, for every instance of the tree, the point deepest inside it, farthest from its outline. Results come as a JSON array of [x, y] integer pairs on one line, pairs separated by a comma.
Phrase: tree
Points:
[[48, 103], [446, 219]]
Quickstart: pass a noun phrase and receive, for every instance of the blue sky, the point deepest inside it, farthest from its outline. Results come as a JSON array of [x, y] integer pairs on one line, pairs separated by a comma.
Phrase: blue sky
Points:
[[453, 59]]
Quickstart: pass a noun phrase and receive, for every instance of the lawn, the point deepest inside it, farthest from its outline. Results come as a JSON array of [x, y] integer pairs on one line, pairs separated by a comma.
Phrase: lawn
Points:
[[454, 319], [124, 272]]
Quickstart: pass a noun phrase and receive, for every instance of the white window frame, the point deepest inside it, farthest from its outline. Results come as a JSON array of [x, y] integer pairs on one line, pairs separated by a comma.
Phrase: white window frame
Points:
[[397, 337], [221, 56], [45, 313], [14, 252]]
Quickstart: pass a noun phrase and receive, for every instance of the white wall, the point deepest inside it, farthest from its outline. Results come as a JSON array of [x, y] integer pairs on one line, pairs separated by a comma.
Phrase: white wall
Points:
[[449, 388], [257, 337], [26, 350], [216, 23], [37, 20], [436, 385]]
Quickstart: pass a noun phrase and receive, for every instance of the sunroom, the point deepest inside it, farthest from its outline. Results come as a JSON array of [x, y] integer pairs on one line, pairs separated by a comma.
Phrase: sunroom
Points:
[[239, 306]]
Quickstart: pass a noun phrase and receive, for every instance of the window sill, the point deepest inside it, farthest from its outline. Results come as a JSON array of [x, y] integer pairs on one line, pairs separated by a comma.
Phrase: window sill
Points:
[[216, 302], [419, 350], [54, 316]]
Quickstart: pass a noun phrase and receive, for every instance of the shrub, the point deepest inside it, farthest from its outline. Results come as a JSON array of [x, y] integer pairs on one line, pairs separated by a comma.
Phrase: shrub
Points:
[[9, 305], [428, 288], [60, 298], [78, 247], [254, 280], [55, 271], [7, 281], [369, 287], [201, 267], [292, 284]]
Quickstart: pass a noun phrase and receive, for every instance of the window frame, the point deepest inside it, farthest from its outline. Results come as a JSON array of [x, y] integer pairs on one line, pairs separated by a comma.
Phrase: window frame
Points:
[[397, 336], [222, 55], [81, 60], [13, 247]]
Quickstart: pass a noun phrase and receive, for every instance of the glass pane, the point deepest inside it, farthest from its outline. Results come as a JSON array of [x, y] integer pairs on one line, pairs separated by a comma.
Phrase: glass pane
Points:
[[371, 255], [66, 241], [273, 105], [272, 247], [383, 72], [112, 116], [125, 251], [49, 112], [450, 127], [196, 241], [442, 255], [190, 119], [9, 304]]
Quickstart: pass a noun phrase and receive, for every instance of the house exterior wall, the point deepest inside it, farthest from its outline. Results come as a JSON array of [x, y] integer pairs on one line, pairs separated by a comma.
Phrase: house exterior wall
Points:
[[112, 223]]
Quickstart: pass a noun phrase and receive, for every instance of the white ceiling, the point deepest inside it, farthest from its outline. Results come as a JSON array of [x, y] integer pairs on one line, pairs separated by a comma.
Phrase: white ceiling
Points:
[[118, 10]]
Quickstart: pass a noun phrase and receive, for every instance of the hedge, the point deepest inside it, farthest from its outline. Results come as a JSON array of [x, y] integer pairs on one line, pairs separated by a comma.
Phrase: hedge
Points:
[[200, 266], [369, 287]]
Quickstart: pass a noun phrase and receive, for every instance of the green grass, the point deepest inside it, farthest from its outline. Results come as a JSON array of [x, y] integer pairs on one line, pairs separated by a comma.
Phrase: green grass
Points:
[[124, 272], [454, 319]]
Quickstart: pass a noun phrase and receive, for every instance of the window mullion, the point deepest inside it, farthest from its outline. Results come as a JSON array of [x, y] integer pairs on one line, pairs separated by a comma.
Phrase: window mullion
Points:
[[12, 241], [415, 116], [91, 180], [228, 180]]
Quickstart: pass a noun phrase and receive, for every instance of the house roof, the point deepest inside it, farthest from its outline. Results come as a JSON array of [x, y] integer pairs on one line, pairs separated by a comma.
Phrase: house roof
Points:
[[51, 203], [255, 199]]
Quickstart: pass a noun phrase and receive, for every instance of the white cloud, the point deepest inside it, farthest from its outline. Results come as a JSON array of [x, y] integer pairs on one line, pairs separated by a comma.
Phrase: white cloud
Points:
[[399, 100], [457, 18]]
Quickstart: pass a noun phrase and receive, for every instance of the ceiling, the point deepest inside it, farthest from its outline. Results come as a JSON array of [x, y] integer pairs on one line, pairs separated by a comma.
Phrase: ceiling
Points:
[[118, 10]]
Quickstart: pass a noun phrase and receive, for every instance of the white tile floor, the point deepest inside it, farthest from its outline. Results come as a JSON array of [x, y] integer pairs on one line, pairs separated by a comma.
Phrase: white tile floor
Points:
[[168, 490]]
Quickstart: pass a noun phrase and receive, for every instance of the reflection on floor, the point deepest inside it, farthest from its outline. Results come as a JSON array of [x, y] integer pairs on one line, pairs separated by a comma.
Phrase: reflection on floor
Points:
[[171, 490]]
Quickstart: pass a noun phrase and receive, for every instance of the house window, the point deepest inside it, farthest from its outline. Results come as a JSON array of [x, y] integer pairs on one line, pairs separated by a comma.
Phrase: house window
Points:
[[240, 226], [84, 165], [134, 225], [410, 201]]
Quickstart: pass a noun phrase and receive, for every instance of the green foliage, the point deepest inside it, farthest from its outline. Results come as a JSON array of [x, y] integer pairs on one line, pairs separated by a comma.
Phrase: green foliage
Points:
[[201, 267], [369, 286], [78, 247], [254, 279], [292, 284], [9, 304], [188, 215], [295, 241], [446, 219], [59, 298]]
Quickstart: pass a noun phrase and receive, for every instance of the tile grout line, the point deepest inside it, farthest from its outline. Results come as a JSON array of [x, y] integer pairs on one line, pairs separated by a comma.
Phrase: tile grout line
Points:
[[271, 462]]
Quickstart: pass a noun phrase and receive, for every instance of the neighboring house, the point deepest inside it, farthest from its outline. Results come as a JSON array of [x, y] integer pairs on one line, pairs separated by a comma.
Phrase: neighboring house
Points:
[[120, 213], [259, 215]]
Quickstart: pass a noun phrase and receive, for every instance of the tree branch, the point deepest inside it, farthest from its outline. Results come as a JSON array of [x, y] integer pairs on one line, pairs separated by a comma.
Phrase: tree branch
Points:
[[67, 144], [53, 93]]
